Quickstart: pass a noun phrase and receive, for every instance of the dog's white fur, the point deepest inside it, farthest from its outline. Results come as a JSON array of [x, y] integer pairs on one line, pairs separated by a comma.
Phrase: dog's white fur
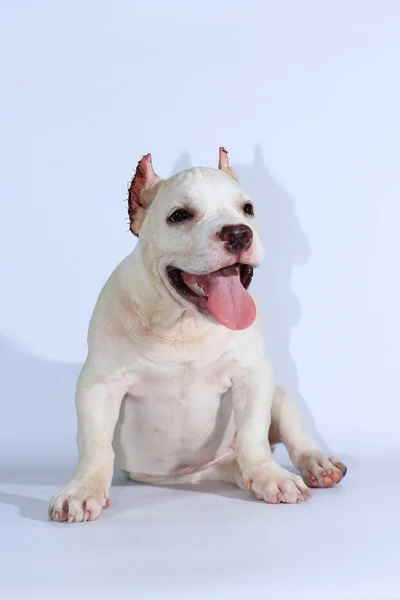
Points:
[[164, 387]]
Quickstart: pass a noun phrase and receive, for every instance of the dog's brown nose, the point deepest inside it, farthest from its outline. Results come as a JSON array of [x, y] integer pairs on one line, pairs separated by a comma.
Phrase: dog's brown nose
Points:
[[236, 237]]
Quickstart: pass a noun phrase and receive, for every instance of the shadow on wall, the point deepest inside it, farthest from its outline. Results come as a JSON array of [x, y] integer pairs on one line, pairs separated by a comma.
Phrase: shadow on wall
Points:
[[38, 396], [38, 411], [286, 246]]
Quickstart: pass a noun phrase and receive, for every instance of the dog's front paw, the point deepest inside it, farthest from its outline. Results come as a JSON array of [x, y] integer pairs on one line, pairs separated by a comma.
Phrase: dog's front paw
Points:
[[78, 502], [274, 484], [320, 470]]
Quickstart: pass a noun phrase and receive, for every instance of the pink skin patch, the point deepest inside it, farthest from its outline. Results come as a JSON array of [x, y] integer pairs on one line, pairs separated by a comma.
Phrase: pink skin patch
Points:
[[194, 469], [144, 179], [247, 484], [223, 163], [320, 471], [329, 478]]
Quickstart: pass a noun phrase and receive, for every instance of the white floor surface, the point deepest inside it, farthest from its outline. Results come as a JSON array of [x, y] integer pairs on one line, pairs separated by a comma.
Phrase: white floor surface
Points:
[[212, 541]]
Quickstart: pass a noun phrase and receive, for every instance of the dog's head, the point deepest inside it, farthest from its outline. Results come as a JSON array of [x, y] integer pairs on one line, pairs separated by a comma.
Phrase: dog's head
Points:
[[199, 238]]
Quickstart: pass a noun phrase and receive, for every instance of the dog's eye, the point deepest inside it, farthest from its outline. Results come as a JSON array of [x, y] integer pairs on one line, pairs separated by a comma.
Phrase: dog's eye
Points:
[[179, 215], [248, 209]]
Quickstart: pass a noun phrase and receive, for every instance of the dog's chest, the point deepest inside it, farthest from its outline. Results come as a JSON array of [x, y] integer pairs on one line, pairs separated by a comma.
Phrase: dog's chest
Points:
[[174, 415], [179, 381]]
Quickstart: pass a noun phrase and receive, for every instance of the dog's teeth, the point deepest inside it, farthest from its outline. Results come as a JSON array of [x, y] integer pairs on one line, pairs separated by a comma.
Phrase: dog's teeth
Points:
[[199, 289]]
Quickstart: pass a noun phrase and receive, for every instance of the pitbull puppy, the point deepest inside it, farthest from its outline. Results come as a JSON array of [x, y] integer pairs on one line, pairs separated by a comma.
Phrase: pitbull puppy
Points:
[[176, 387]]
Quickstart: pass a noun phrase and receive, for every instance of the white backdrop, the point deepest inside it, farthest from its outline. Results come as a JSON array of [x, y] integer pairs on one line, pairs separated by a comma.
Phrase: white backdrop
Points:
[[305, 95]]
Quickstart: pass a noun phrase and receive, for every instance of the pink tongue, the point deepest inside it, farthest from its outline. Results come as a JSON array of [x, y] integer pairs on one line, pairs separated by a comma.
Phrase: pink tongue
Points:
[[228, 300]]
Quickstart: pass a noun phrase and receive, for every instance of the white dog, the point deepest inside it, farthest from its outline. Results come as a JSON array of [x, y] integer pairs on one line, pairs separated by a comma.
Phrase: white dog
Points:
[[176, 387]]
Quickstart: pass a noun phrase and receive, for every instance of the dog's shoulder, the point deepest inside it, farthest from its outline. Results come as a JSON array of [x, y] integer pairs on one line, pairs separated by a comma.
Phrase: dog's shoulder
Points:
[[115, 317]]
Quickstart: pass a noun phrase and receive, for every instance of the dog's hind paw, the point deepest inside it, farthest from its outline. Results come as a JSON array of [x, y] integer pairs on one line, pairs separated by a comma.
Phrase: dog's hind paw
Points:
[[320, 470]]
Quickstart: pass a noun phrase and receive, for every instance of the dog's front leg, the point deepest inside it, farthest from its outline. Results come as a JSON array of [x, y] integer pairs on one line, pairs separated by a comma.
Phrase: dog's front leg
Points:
[[98, 405], [252, 396]]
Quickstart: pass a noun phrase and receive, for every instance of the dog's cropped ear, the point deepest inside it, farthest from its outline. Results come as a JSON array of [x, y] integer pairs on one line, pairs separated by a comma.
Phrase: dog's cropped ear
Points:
[[141, 192], [223, 163]]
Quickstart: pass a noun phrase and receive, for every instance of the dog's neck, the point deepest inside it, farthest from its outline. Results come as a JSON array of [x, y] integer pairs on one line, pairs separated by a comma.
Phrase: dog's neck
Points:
[[159, 311]]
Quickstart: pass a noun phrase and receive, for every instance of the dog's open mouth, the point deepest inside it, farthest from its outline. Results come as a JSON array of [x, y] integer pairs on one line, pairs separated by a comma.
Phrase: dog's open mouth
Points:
[[222, 293]]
